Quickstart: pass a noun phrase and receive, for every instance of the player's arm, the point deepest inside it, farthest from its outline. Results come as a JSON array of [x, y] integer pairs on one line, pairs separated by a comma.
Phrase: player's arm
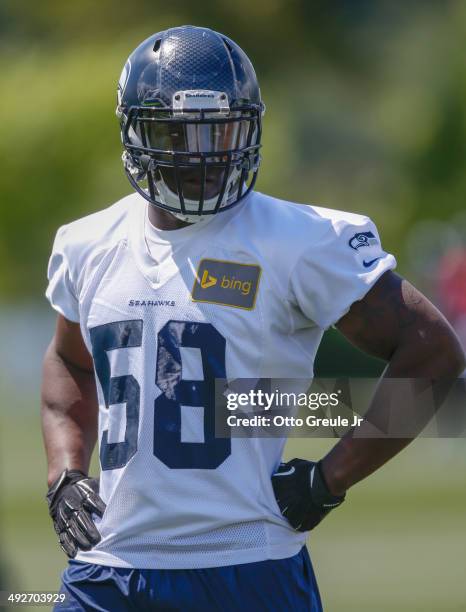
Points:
[[69, 401], [394, 322], [69, 426]]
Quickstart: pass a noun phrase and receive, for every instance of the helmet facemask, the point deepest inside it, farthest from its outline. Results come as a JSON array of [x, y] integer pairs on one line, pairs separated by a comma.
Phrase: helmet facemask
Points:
[[192, 161]]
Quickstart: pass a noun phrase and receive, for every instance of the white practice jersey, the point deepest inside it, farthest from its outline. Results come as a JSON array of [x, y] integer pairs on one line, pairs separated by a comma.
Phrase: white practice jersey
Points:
[[247, 293]]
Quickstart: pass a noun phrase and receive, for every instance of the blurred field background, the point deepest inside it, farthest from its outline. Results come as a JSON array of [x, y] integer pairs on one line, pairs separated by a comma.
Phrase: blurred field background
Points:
[[366, 111]]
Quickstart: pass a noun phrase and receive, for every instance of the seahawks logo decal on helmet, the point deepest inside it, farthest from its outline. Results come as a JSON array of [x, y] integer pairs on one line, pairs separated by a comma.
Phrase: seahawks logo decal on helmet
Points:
[[122, 85], [362, 239]]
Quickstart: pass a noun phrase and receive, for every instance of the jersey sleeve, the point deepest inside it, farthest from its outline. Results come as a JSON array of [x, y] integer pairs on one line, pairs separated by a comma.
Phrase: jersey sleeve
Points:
[[338, 270], [61, 290]]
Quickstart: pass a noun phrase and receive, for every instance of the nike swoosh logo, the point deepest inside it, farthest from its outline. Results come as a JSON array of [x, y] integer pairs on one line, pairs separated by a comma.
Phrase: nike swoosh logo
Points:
[[367, 264], [290, 471]]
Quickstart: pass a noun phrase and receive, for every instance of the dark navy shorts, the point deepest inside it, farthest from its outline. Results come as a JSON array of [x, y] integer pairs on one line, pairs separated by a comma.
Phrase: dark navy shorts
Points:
[[280, 585]]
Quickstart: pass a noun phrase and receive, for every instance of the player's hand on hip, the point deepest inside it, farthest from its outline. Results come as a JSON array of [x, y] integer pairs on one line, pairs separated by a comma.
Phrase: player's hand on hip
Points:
[[302, 493], [72, 500]]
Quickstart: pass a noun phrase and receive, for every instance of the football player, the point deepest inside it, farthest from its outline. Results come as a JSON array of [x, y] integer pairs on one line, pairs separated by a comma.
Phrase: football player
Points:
[[191, 278]]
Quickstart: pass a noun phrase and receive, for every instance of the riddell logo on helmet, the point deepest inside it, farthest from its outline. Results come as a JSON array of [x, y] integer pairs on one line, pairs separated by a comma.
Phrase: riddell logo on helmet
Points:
[[227, 283], [199, 95]]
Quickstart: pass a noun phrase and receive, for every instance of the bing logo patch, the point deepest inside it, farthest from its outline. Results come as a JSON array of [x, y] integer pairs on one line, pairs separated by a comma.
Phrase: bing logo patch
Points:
[[228, 283]]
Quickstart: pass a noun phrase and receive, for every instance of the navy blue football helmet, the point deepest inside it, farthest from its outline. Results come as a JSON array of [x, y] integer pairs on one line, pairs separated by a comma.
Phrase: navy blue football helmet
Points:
[[190, 112]]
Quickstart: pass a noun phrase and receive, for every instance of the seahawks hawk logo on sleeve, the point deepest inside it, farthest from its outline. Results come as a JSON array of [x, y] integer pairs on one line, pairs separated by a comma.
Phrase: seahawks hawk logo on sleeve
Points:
[[362, 239]]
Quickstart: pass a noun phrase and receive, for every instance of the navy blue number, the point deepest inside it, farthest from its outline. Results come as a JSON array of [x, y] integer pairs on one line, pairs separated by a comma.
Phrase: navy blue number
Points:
[[117, 389], [177, 392]]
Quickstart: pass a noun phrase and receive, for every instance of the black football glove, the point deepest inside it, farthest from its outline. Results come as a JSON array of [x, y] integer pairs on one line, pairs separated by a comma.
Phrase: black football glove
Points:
[[302, 493], [72, 499]]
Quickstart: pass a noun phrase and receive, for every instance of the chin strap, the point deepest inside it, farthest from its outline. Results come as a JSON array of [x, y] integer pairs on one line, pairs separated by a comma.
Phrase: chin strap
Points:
[[190, 218], [138, 168]]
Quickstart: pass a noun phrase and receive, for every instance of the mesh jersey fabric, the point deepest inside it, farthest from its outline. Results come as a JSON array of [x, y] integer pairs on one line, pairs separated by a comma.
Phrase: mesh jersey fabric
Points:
[[176, 498]]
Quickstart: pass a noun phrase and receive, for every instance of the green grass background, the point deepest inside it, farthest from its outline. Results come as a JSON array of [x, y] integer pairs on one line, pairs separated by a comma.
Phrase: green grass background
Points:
[[398, 543]]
